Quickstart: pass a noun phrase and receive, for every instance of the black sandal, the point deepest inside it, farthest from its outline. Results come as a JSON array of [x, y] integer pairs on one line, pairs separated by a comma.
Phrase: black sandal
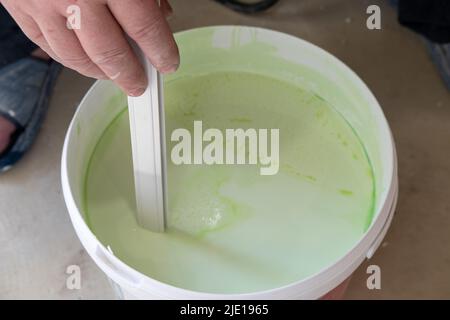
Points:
[[248, 7]]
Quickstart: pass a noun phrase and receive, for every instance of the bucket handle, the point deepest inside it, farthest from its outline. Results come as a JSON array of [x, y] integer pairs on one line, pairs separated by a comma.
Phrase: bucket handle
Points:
[[113, 272]]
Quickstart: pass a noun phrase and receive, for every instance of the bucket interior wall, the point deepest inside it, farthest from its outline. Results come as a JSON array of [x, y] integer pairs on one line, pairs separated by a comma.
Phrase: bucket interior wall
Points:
[[265, 52]]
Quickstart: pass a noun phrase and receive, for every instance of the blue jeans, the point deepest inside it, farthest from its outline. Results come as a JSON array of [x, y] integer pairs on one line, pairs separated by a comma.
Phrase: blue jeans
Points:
[[14, 45]]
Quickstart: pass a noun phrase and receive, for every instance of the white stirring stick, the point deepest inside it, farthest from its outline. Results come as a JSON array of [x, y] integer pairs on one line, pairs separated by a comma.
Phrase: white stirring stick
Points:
[[149, 149]]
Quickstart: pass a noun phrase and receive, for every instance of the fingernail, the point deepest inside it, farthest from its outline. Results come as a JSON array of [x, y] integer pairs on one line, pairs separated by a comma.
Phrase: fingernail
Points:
[[170, 69], [137, 92]]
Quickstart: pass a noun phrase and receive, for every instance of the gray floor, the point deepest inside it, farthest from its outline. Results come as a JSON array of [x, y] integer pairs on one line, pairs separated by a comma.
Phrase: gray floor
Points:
[[37, 241]]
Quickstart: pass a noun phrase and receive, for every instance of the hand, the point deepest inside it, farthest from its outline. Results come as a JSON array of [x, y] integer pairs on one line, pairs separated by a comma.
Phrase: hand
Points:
[[99, 48]]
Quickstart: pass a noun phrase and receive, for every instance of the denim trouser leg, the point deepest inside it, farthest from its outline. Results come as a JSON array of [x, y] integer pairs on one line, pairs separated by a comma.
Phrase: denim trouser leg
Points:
[[14, 45]]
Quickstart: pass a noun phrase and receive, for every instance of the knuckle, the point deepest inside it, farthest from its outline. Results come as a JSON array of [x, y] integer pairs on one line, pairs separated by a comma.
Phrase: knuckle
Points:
[[37, 36], [112, 56], [83, 64], [78, 61], [145, 29]]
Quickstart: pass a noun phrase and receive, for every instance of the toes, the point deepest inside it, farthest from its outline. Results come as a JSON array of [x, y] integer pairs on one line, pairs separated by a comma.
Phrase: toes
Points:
[[6, 130]]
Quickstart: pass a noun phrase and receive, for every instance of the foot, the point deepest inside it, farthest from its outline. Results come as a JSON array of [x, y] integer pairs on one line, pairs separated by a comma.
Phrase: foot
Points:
[[6, 131], [7, 128]]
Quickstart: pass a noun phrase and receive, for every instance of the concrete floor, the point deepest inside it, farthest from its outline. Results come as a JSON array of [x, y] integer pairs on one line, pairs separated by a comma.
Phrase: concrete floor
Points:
[[37, 241]]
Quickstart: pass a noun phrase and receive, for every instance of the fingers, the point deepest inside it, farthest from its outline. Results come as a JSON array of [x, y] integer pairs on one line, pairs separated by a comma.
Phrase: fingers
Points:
[[145, 23], [104, 42], [67, 47], [32, 31], [60, 43], [100, 49]]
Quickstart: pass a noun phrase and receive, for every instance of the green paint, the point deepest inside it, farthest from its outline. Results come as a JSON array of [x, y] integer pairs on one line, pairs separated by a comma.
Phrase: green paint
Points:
[[346, 192], [292, 171], [248, 49], [230, 229]]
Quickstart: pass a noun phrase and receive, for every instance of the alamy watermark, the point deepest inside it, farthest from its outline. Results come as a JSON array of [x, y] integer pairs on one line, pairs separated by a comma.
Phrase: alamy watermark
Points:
[[231, 147], [73, 281], [374, 280], [74, 17], [374, 20]]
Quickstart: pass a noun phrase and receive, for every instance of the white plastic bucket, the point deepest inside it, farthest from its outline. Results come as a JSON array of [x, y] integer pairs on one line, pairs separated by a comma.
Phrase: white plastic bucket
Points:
[[266, 52]]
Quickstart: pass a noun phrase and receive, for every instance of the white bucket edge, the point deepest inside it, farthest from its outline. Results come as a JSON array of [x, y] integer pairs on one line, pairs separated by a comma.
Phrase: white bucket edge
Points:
[[137, 285]]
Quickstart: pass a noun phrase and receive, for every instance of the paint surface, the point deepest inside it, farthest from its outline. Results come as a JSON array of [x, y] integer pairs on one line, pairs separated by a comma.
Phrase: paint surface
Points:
[[232, 230]]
